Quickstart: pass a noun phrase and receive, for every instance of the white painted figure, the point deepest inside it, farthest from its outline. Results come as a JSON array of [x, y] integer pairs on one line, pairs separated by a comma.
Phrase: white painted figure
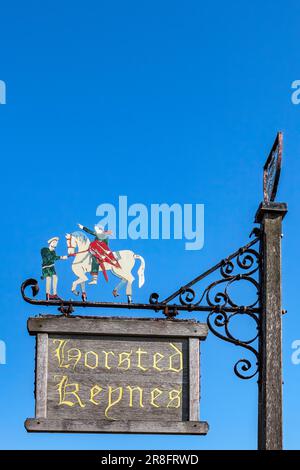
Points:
[[120, 263]]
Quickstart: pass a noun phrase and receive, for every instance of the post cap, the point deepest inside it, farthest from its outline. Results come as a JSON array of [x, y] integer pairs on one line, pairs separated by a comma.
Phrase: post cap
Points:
[[273, 209]]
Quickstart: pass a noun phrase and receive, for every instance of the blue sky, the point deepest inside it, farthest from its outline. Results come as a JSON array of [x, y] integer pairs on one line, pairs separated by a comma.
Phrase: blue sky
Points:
[[162, 102]]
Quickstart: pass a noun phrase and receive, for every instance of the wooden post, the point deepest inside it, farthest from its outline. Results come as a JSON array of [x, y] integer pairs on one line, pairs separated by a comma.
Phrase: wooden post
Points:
[[270, 216]]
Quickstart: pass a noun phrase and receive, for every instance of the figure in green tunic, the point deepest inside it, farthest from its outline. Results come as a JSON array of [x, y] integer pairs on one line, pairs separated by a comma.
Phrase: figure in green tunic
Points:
[[49, 257]]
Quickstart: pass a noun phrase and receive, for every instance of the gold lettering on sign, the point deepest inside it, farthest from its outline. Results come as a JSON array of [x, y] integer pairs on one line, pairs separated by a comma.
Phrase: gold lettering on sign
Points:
[[156, 358], [113, 383], [131, 390], [155, 393], [73, 353], [87, 361], [112, 402], [173, 357], [140, 352], [175, 398], [59, 352], [94, 392], [125, 357], [69, 358], [66, 390], [107, 354]]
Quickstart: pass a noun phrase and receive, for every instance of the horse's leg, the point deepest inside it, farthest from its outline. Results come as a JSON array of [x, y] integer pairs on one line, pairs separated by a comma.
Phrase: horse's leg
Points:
[[118, 287], [130, 262], [126, 278], [118, 273], [74, 285], [127, 262], [81, 278], [130, 279], [83, 293]]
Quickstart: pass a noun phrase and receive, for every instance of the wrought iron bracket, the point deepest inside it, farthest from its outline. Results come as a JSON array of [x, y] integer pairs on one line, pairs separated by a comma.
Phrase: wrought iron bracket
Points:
[[243, 265]]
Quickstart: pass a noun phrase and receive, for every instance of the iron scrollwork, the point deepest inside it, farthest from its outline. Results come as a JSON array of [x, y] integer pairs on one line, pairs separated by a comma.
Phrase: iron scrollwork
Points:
[[242, 265], [243, 368]]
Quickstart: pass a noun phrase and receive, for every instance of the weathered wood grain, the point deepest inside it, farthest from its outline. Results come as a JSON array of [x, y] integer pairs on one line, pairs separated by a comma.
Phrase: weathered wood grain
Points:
[[194, 379], [41, 376], [118, 326], [120, 427], [270, 435], [103, 354]]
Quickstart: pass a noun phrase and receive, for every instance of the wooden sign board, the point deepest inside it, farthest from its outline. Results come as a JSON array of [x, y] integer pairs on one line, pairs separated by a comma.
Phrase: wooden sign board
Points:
[[117, 375]]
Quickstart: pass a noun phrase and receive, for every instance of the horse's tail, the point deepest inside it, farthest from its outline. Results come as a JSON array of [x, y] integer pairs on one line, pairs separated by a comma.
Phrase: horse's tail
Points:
[[141, 270]]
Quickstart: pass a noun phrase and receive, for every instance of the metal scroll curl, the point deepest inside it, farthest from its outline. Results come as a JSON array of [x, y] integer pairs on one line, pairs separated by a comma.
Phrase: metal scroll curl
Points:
[[33, 283], [231, 270], [222, 298], [247, 260], [219, 324]]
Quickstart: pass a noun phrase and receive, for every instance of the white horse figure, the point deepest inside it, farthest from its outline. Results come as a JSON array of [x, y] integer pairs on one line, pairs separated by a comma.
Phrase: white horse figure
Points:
[[82, 264]]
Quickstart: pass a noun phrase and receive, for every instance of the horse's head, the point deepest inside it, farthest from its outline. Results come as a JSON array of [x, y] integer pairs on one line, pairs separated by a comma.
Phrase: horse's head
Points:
[[77, 240], [71, 243]]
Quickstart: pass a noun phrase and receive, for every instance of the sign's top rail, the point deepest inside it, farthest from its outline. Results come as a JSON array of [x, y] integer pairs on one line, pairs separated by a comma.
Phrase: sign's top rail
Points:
[[117, 326]]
